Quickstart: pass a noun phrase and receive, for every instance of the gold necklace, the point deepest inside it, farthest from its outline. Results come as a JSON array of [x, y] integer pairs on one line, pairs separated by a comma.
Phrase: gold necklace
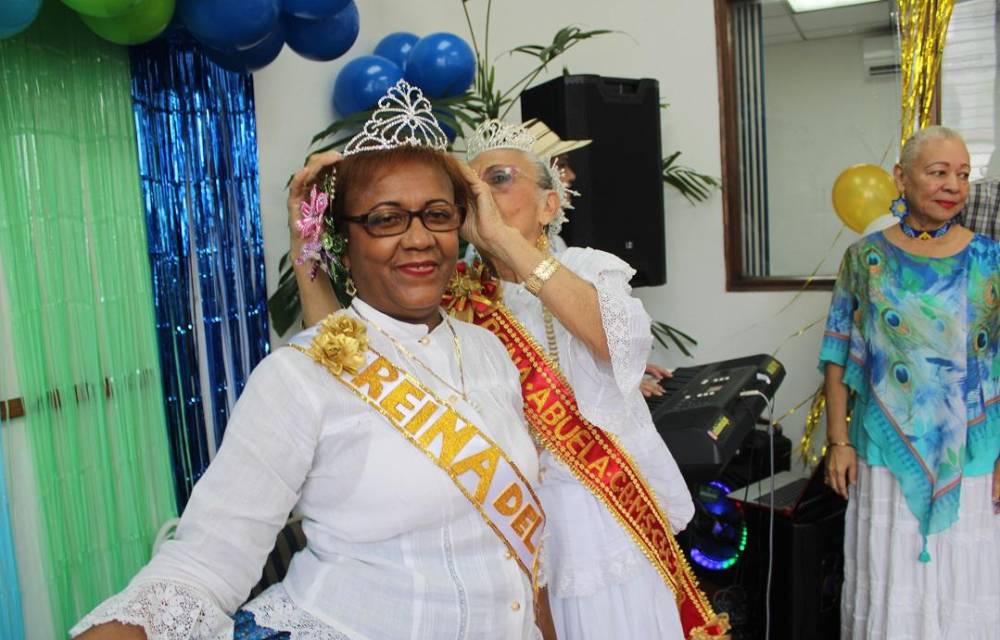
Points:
[[406, 352], [550, 335]]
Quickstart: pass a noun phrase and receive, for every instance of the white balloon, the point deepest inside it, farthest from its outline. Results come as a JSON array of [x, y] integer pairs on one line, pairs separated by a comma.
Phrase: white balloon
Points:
[[882, 222]]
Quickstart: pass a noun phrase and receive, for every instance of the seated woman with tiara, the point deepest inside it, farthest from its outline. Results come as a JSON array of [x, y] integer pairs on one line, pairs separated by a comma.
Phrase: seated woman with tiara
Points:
[[612, 492], [394, 431]]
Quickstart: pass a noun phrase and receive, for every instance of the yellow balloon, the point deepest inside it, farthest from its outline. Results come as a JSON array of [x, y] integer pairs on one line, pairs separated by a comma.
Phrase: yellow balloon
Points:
[[862, 193]]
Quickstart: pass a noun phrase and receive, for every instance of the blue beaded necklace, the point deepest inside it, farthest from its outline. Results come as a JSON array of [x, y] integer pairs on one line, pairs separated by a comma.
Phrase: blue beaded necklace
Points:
[[901, 209], [924, 235]]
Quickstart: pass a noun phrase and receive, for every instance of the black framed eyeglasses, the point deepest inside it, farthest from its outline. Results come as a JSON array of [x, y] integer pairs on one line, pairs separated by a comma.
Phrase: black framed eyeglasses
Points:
[[394, 221]]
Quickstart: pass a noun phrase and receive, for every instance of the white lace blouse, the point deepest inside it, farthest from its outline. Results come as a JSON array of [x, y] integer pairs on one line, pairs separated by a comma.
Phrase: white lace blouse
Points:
[[579, 529], [394, 550]]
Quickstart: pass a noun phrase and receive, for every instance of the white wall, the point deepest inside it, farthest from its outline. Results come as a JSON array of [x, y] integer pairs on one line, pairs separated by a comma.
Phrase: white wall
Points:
[[671, 41], [823, 115]]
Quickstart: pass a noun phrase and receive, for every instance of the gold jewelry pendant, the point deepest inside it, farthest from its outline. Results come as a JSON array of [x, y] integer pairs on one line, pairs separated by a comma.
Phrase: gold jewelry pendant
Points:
[[542, 242]]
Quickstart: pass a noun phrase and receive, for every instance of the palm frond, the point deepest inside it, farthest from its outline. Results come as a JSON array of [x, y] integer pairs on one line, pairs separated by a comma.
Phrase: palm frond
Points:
[[663, 333], [284, 305], [562, 41], [692, 184]]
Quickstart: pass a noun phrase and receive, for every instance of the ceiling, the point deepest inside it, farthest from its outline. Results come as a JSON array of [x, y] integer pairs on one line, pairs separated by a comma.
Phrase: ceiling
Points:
[[782, 26]]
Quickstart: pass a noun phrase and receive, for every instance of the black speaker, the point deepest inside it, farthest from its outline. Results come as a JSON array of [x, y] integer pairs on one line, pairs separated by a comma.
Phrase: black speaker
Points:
[[752, 461], [619, 175], [807, 575]]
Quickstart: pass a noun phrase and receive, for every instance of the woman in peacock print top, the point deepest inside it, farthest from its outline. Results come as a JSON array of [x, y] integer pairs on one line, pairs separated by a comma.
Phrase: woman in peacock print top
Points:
[[911, 354]]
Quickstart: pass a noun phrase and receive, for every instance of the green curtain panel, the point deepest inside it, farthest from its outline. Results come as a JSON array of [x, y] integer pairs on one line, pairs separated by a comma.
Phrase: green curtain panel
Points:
[[73, 248]]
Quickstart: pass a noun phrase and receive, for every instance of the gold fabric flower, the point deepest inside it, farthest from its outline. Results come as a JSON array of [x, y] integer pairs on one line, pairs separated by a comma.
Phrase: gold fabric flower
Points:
[[345, 325], [340, 344]]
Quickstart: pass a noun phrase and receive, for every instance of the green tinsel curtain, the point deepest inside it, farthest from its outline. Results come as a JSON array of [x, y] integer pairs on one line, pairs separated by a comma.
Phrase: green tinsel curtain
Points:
[[73, 248]]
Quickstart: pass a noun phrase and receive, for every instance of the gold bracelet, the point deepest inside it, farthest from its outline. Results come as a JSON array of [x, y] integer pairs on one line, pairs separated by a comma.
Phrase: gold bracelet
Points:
[[541, 275], [839, 444]]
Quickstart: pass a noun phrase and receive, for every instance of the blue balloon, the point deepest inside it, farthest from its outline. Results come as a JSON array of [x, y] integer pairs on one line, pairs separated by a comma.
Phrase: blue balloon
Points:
[[324, 39], [313, 9], [17, 15], [442, 64], [229, 24], [256, 57], [362, 82], [397, 46]]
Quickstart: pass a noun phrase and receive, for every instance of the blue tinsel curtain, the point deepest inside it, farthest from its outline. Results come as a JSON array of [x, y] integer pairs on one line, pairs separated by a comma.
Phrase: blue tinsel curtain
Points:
[[11, 624], [197, 141]]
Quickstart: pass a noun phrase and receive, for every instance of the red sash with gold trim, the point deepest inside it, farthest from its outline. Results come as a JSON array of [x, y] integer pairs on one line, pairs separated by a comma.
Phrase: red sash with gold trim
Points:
[[594, 456]]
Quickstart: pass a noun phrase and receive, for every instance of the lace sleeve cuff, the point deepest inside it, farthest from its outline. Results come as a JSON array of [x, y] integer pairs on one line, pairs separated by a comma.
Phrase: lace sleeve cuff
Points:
[[165, 610], [626, 327]]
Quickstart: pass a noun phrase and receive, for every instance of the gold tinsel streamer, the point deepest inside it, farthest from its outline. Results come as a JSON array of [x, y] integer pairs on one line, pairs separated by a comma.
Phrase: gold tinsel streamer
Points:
[[805, 449], [923, 25]]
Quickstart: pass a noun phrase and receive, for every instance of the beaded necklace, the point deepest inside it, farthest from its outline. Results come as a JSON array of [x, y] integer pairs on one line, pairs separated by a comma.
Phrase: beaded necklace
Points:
[[550, 335], [925, 235]]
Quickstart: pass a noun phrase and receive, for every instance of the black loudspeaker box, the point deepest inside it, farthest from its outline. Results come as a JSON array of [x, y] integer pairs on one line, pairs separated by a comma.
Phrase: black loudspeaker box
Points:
[[619, 176], [752, 461], [807, 576]]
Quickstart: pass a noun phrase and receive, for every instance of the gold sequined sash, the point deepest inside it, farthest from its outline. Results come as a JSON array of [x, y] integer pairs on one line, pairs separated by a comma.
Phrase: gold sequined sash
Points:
[[480, 469]]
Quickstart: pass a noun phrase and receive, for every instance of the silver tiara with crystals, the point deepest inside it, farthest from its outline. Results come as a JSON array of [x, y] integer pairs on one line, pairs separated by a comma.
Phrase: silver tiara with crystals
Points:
[[496, 134], [403, 119]]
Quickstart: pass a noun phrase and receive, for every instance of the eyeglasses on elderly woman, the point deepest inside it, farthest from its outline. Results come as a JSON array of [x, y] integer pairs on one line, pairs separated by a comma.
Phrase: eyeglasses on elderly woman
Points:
[[393, 221], [501, 177]]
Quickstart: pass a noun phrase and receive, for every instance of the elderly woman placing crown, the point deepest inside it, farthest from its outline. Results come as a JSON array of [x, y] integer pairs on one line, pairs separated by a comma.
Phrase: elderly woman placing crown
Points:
[[394, 431], [612, 492]]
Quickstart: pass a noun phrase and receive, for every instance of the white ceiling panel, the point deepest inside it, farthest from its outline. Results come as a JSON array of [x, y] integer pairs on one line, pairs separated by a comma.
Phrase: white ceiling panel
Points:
[[780, 25], [770, 41], [866, 16], [834, 32], [819, 5], [772, 8]]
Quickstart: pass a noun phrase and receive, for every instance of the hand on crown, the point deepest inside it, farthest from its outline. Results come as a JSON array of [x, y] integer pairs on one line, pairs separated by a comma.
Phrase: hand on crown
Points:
[[484, 227]]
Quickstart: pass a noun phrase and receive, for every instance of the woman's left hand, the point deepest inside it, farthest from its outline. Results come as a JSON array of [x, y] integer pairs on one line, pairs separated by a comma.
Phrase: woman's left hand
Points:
[[996, 487], [484, 227]]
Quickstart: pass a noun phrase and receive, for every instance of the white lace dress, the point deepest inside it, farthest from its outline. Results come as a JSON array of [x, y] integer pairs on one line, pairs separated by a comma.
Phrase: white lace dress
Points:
[[600, 585], [394, 550]]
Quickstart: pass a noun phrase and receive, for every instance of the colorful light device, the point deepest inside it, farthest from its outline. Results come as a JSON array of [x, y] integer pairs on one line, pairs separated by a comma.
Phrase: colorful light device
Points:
[[719, 535]]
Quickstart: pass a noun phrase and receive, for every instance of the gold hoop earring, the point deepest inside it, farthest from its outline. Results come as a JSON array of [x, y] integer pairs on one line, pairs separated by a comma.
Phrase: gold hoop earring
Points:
[[349, 287]]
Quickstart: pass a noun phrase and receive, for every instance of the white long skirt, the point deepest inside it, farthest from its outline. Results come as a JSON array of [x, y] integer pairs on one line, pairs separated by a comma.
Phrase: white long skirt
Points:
[[640, 608], [888, 593]]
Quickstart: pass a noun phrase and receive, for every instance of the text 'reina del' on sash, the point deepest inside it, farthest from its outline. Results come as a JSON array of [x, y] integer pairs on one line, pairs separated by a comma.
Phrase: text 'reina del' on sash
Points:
[[480, 469], [594, 456]]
